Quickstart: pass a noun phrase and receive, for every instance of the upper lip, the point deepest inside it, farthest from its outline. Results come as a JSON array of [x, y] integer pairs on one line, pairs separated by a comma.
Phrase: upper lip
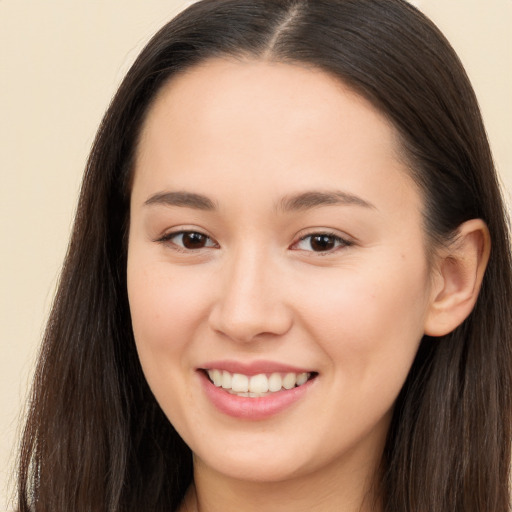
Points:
[[253, 367]]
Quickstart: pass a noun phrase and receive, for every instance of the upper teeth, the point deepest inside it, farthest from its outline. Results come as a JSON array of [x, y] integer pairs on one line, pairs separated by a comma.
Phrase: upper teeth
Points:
[[256, 385]]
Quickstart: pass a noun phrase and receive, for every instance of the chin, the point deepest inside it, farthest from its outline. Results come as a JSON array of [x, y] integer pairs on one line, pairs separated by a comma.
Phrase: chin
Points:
[[257, 471]]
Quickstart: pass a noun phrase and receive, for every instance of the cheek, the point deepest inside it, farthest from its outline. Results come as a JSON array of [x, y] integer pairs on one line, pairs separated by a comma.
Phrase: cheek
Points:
[[160, 300], [369, 324], [166, 309]]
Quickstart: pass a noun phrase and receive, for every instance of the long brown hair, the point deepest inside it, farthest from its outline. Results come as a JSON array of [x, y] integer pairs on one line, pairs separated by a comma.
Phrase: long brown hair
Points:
[[95, 438]]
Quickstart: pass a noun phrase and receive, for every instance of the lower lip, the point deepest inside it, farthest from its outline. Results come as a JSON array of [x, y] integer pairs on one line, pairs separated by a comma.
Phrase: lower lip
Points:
[[253, 408]]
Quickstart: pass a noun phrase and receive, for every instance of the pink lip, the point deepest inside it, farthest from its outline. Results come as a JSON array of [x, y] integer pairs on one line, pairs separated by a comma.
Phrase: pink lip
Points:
[[253, 368], [253, 408]]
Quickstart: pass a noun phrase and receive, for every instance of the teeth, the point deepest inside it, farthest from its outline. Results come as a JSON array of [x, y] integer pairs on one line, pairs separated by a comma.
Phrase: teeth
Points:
[[302, 379], [289, 381], [275, 382], [216, 377], [256, 385], [226, 380], [240, 383]]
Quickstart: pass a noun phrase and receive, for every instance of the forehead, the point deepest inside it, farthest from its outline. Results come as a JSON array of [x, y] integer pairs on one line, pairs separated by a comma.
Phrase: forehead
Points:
[[252, 93], [241, 121]]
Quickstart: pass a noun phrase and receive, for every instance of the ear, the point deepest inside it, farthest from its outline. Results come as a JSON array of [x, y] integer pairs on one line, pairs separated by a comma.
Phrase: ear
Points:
[[459, 271]]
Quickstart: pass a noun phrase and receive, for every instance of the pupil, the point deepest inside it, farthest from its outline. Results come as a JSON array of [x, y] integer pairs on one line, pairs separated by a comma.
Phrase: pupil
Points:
[[322, 243], [194, 240]]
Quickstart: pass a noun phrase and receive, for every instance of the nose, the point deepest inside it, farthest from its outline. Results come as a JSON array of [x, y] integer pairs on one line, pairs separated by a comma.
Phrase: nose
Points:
[[251, 303]]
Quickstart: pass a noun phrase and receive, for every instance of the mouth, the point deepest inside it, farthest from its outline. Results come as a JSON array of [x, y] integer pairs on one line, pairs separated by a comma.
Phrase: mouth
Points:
[[259, 385]]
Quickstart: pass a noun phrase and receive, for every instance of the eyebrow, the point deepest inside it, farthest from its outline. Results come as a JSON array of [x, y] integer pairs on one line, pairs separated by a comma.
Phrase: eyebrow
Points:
[[297, 202], [186, 199], [315, 199]]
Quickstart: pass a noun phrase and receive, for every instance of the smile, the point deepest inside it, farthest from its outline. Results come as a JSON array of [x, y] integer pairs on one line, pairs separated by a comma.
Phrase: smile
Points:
[[256, 386]]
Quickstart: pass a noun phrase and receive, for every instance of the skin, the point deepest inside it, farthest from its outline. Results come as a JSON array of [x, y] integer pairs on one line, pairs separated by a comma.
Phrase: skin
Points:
[[248, 135]]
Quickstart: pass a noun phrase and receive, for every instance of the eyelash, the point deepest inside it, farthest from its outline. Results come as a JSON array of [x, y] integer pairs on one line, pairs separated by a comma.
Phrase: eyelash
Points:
[[168, 239], [338, 241]]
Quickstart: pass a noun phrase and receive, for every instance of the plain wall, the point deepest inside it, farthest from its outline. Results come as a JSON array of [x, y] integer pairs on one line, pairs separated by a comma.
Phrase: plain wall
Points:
[[60, 63]]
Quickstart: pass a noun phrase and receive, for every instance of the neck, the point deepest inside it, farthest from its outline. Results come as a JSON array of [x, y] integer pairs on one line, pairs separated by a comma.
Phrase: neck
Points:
[[321, 491]]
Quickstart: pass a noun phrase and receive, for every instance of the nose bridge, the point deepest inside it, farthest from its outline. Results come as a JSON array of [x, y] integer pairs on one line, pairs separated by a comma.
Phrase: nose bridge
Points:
[[250, 302]]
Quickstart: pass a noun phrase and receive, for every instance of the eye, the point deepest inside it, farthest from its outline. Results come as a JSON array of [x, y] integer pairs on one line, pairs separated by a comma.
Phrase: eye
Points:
[[321, 242], [188, 240]]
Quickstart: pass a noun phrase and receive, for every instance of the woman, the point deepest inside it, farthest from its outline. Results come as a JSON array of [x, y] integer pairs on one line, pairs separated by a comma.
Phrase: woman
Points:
[[280, 292]]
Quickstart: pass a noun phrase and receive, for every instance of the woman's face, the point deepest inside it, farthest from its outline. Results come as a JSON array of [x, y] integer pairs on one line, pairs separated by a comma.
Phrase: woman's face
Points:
[[275, 242]]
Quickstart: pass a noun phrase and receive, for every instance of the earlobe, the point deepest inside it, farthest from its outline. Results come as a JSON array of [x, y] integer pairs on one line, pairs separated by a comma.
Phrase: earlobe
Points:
[[460, 270]]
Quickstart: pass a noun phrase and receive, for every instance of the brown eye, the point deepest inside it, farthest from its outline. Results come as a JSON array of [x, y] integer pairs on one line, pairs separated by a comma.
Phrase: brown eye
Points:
[[194, 240], [321, 242], [189, 240]]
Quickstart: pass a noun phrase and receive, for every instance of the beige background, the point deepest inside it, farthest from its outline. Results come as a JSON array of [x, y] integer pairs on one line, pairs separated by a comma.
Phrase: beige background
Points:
[[60, 63]]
